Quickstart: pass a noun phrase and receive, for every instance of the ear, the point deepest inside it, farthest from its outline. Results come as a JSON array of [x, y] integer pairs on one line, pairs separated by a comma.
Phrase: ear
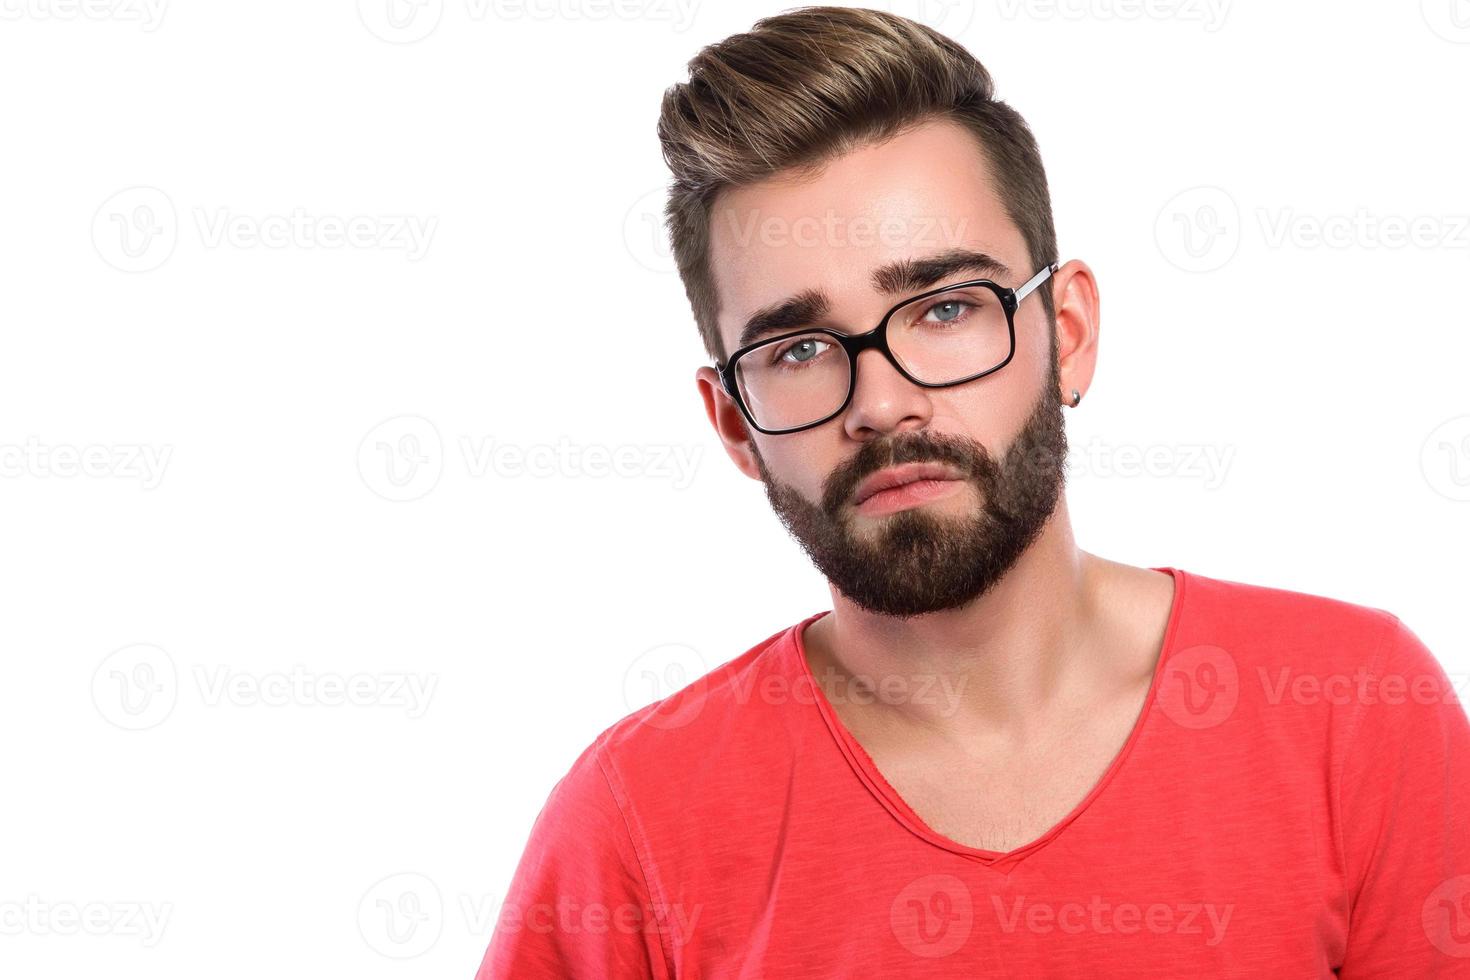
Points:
[[729, 424], [1074, 289]]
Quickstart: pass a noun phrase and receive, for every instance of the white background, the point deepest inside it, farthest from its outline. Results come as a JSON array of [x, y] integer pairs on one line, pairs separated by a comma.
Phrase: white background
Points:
[[174, 628]]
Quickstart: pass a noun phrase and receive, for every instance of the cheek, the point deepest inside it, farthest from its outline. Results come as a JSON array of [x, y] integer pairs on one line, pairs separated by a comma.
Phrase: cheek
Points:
[[803, 460], [992, 409]]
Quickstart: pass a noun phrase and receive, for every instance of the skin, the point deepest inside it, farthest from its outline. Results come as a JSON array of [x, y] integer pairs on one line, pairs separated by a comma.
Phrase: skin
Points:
[[1037, 643]]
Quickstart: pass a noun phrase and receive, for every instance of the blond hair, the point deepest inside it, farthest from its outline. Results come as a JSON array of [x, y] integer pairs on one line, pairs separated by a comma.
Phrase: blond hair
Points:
[[811, 84]]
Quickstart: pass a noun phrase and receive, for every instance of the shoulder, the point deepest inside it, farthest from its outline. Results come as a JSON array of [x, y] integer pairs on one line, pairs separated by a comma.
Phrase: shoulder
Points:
[[673, 743], [1245, 660], [1267, 607], [1262, 625]]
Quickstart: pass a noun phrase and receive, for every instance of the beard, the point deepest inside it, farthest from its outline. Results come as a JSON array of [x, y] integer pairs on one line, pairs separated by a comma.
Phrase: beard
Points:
[[917, 561]]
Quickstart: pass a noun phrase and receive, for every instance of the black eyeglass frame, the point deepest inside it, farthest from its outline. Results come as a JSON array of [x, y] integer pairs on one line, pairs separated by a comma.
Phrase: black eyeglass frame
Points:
[[877, 338]]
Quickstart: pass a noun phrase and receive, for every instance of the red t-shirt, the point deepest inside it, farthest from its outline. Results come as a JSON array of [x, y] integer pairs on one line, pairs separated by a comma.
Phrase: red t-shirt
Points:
[[1293, 801]]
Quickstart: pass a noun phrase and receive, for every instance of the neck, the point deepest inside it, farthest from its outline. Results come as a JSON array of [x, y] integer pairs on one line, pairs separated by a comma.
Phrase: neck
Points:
[[1055, 634]]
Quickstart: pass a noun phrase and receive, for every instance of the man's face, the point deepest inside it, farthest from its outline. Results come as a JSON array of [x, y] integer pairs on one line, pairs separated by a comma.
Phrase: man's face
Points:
[[922, 194]]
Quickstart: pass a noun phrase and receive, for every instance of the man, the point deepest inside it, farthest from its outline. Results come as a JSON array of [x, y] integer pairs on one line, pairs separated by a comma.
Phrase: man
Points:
[[997, 755]]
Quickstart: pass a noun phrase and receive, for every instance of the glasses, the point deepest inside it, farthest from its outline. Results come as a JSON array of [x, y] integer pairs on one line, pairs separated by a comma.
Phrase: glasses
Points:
[[801, 379]]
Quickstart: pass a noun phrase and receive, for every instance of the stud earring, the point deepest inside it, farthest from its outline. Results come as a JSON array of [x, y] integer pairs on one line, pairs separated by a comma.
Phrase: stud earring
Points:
[[1076, 398]]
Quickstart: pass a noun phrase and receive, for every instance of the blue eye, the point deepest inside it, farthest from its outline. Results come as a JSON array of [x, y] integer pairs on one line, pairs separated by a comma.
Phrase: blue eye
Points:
[[812, 347], [953, 305]]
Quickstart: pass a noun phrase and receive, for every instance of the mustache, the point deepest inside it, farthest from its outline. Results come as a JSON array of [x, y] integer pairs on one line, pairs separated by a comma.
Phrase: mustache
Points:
[[970, 458]]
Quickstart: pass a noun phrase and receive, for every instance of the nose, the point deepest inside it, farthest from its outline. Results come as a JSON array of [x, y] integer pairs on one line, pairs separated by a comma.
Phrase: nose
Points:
[[883, 400]]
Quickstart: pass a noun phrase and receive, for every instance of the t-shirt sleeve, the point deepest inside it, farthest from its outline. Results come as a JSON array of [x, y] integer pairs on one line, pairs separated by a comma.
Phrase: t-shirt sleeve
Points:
[[1405, 806], [578, 907]]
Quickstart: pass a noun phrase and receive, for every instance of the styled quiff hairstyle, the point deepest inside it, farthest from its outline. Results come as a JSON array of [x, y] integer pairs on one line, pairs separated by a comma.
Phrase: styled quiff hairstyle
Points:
[[811, 84]]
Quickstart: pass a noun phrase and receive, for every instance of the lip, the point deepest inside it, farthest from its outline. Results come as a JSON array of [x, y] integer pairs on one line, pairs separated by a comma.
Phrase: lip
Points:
[[897, 476]]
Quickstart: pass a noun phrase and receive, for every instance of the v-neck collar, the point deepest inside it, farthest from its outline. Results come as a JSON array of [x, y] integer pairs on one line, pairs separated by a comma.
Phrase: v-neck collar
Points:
[[867, 770]]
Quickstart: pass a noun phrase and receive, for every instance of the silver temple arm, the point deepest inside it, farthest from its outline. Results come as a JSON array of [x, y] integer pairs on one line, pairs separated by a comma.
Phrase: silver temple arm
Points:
[[1035, 281]]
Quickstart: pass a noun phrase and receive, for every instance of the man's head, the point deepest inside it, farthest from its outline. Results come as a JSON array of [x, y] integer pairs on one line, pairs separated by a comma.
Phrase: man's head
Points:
[[823, 162]]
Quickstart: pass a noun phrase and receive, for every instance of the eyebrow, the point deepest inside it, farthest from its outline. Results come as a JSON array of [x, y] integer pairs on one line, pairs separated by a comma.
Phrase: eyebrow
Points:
[[893, 279]]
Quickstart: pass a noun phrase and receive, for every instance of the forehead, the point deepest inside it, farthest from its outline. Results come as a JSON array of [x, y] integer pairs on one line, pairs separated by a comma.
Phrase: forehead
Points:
[[926, 191]]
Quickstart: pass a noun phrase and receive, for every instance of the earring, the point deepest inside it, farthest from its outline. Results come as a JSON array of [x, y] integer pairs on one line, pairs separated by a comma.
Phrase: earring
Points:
[[1076, 398]]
